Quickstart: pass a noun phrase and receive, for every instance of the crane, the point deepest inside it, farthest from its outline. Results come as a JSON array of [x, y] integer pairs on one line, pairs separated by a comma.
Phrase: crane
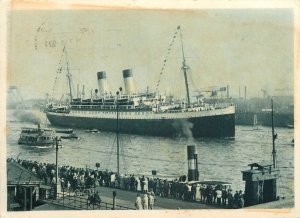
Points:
[[264, 92]]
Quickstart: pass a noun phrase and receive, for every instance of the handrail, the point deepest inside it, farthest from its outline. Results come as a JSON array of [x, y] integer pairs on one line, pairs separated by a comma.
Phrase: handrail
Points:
[[71, 200]]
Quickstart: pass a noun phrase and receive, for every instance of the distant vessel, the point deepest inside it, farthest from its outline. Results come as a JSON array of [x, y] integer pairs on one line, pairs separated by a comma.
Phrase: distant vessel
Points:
[[291, 126], [69, 136], [66, 131], [145, 113], [92, 131], [36, 137]]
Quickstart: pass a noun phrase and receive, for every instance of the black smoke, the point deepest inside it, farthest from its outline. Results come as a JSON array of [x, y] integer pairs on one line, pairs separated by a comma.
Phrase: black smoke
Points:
[[27, 117], [184, 128]]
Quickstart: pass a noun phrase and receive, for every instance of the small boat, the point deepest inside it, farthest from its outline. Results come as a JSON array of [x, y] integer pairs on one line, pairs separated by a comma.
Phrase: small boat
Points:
[[291, 126], [92, 130], [66, 131], [36, 137], [70, 136]]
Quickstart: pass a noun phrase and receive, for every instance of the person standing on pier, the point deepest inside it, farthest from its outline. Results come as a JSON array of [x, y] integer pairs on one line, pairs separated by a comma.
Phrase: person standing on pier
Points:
[[151, 201], [219, 196], [235, 200], [145, 185], [138, 202], [138, 185], [193, 192], [241, 199], [132, 183], [215, 194], [209, 195], [224, 196], [112, 180], [142, 183], [230, 199], [145, 202], [202, 193]]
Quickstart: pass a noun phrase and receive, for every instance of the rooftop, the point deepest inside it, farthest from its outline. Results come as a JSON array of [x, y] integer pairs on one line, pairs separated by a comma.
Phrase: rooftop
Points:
[[17, 175]]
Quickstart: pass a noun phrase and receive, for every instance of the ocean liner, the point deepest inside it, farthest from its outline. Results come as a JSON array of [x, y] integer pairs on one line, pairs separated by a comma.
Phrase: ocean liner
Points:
[[144, 113]]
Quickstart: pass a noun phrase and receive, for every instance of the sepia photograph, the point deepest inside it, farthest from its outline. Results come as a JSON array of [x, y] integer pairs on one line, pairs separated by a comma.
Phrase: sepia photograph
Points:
[[149, 109]]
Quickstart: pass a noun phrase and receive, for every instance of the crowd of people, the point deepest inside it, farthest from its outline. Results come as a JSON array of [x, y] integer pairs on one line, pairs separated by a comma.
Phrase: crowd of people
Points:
[[73, 178]]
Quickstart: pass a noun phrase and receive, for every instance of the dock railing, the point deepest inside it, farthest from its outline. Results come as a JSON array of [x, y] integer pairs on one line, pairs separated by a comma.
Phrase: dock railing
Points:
[[69, 199]]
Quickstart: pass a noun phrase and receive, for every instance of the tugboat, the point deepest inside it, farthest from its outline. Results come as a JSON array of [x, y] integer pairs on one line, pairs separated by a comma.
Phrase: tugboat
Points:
[[36, 137]]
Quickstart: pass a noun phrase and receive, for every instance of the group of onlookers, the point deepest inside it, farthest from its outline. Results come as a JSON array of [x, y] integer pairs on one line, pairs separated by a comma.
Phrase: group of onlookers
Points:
[[221, 196], [73, 178], [145, 202]]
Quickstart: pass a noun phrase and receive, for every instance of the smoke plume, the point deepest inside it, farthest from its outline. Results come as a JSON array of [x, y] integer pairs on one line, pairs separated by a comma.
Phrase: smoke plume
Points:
[[184, 128], [26, 116]]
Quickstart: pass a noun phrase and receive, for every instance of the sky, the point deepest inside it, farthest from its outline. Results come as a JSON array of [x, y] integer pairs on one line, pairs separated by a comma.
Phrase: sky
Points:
[[235, 47]]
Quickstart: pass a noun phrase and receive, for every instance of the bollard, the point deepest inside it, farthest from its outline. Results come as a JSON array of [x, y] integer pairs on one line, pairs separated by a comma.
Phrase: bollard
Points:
[[114, 199]]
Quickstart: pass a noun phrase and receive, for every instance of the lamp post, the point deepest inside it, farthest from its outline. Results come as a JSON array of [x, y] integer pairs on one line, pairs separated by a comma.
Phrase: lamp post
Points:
[[56, 162], [118, 147], [97, 166]]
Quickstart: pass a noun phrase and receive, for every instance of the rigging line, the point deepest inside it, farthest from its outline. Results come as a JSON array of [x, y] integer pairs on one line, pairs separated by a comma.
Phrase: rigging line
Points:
[[123, 151], [181, 45], [58, 71], [123, 156], [192, 79], [108, 158], [165, 59]]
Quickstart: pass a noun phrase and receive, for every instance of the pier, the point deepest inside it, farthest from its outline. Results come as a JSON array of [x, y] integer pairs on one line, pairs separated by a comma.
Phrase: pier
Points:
[[167, 196], [124, 198]]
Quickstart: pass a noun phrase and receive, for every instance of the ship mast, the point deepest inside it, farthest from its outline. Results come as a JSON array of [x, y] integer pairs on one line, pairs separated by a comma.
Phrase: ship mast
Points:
[[118, 146], [185, 68], [274, 136], [68, 74]]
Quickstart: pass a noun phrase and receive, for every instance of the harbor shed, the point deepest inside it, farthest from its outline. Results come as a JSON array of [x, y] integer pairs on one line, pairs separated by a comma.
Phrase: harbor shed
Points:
[[22, 187], [261, 183]]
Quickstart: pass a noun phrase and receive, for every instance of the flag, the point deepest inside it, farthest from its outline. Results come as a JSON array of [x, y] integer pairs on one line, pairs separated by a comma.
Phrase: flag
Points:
[[223, 89]]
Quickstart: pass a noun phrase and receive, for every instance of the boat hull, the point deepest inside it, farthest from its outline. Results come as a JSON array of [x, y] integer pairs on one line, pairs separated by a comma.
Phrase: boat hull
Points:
[[222, 125], [36, 144]]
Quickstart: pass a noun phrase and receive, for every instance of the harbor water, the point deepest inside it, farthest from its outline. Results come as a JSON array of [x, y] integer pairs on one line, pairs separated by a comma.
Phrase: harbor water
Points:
[[219, 159]]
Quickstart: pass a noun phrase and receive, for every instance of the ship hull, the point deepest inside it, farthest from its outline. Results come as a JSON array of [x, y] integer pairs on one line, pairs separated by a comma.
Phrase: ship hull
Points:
[[214, 125]]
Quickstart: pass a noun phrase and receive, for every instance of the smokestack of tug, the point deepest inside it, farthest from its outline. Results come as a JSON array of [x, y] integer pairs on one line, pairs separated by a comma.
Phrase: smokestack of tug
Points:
[[193, 174], [102, 83], [128, 81]]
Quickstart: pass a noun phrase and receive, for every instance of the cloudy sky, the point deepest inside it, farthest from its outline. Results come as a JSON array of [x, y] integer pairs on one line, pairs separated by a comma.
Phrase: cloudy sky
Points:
[[235, 47]]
